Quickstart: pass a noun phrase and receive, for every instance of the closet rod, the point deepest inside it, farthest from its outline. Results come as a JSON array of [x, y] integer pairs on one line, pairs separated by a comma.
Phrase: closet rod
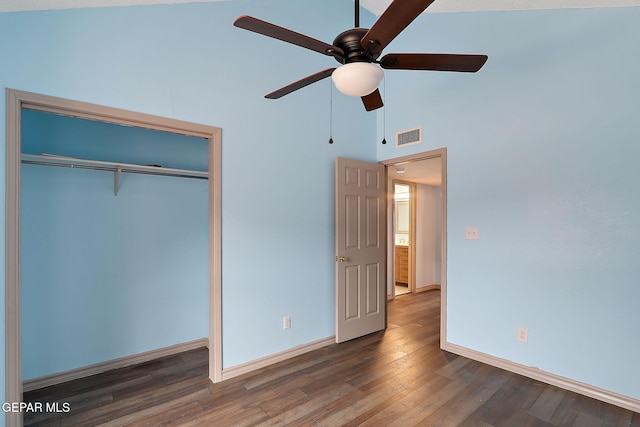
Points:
[[72, 162]]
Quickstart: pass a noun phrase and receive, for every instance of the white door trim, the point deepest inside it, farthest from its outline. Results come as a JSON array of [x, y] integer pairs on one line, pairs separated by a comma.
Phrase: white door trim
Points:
[[432, 154], [16, 101]]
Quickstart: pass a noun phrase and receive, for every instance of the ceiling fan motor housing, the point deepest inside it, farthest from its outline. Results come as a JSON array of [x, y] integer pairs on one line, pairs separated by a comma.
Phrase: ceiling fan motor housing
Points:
[[350, 42]]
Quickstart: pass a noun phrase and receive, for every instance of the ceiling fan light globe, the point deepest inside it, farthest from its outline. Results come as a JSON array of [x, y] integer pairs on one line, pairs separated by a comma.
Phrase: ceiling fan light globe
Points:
[[357, 78]]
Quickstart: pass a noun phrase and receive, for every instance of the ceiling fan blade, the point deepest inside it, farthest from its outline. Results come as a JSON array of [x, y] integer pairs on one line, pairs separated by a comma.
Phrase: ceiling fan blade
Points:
[[270, 30], [373, 101], [396, 18], [300, 84], [433, 61]]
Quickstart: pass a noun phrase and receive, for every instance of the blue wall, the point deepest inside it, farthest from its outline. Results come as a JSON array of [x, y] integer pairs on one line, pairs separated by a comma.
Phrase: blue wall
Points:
[[542, 149], [188, 62], [104, 276]]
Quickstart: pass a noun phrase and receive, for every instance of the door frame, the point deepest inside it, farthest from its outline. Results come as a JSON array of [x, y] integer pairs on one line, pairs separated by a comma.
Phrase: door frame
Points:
[[16, 101], [440, 153]]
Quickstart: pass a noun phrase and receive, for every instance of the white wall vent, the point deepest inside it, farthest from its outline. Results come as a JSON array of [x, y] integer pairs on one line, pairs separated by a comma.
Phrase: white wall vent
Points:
[[409, 137]]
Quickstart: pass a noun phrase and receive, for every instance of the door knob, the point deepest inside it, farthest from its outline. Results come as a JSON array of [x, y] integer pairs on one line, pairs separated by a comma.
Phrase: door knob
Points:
[[341, 258]]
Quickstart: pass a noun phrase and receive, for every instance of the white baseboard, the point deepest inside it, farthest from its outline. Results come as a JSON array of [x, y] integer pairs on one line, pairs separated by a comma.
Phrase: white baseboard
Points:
[[607, 396], [85, 371], [253, 365]]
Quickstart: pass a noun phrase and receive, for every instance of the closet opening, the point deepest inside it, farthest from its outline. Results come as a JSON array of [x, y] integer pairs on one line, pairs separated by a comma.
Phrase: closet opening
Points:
[[121, 201]]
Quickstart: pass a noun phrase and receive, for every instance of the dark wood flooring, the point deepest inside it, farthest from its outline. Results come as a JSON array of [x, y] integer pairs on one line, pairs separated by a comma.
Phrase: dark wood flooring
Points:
[[398, 377]]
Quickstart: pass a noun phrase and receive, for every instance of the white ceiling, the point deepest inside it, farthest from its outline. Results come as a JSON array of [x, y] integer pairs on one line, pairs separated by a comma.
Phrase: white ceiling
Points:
[[375, 6], [378, 6]]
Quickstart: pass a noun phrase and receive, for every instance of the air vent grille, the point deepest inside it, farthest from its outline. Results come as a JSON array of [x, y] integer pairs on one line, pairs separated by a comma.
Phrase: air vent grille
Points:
[[409, 137]]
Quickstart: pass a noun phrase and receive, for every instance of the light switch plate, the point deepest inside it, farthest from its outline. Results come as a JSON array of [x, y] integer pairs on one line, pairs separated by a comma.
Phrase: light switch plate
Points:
[[472, 233]]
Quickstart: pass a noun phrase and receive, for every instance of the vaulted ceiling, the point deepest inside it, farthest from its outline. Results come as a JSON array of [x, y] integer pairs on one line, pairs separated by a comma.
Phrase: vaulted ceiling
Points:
[[375, 6]]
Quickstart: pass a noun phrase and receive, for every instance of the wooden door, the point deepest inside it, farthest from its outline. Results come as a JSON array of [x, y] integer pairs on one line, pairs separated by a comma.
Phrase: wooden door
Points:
[[360, 248]]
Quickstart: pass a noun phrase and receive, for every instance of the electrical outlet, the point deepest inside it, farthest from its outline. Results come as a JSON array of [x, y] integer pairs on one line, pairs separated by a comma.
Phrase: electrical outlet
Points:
[[472, 233], [286, 322], [523, 335]]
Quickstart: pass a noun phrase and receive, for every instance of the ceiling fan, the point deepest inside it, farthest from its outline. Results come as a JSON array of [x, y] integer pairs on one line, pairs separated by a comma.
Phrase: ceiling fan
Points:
[[358, 50]]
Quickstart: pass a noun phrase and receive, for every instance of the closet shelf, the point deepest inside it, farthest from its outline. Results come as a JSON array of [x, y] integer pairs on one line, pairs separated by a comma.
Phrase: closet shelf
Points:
[[117, 168]]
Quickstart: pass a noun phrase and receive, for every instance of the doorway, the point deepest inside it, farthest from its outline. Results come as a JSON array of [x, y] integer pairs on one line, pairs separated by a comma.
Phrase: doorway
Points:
[[19, 101], [427, 172], [404, 238]]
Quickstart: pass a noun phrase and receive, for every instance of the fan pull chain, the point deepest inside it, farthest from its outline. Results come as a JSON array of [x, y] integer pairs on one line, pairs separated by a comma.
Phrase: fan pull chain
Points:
[[384, 112], [330, 112]]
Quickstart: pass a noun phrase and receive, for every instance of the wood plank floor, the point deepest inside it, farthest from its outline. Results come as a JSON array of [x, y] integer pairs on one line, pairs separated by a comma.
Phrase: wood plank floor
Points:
[[398, 377]]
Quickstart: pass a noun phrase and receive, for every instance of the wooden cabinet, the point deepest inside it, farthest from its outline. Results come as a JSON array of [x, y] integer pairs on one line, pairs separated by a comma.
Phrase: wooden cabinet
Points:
[[402, 264]]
